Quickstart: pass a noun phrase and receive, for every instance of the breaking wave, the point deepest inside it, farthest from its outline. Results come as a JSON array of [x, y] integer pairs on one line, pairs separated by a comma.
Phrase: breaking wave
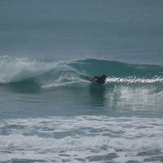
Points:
[[51, 73]]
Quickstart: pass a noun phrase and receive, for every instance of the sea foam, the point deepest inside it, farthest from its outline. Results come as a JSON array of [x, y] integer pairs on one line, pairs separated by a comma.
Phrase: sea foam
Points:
[[81, 138]]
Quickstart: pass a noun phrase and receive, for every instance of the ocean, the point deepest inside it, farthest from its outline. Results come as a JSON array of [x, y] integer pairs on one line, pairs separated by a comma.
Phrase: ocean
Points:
[[49, 112]]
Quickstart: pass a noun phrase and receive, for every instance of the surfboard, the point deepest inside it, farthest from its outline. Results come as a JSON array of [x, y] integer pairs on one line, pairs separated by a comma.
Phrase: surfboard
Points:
[[93, 82]]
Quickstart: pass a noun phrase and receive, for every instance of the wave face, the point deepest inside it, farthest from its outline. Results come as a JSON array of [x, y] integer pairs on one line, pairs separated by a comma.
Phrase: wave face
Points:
[[50, 73]]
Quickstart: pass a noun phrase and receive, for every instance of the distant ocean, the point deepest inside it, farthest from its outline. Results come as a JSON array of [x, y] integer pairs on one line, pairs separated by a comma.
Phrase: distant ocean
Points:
[[49, 112]]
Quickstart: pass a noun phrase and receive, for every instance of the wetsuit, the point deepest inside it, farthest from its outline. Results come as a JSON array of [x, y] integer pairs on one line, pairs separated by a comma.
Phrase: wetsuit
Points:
[[99, 80]]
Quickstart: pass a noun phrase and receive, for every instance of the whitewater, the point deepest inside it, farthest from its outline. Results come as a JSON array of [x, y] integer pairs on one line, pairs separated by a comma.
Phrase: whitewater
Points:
[[82, 139]]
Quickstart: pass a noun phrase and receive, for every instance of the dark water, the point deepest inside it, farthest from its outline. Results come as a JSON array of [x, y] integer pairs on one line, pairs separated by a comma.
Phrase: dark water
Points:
[[49, 112]]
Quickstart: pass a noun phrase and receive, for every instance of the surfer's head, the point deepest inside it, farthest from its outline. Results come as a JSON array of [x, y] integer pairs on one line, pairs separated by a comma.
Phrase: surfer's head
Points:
[[104, 76]]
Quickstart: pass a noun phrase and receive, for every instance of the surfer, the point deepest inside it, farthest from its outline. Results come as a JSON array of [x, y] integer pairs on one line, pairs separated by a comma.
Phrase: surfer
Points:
[[99, 80]]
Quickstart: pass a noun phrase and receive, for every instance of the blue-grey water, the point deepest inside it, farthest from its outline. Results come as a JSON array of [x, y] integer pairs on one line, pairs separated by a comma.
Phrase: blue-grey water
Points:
[[49, 112]]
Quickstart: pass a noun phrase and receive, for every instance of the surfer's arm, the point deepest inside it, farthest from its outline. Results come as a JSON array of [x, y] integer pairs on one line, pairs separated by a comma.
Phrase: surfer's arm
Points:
[[95, 77]]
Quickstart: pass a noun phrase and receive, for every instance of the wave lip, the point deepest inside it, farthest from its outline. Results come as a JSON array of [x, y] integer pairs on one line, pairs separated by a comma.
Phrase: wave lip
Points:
[[14, 69]]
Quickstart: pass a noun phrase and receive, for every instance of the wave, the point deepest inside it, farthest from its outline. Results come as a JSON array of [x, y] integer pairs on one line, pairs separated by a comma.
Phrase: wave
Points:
[[50, 73]]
